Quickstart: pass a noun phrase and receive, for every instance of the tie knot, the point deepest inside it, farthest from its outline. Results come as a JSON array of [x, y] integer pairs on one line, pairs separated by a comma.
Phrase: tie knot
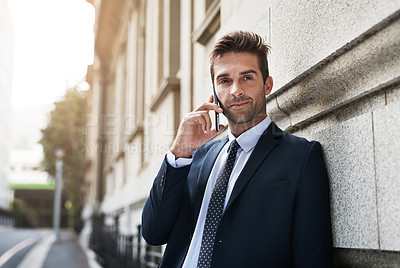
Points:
[[234, 147]]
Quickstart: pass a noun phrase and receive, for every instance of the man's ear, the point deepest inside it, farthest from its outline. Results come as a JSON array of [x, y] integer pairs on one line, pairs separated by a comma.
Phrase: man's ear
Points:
[[268, 85]]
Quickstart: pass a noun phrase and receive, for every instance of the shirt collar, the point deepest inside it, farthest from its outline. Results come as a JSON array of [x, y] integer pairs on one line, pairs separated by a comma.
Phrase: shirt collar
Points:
[[248, 139]]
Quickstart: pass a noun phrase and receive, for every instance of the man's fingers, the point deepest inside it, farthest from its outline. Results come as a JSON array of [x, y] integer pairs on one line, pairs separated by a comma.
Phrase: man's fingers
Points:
[[196, 119], [200, 118], [214, 132], [208, 120], [209, 106]]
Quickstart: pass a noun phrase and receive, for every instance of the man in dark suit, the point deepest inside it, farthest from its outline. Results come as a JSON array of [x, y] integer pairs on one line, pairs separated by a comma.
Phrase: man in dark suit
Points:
[[259, 197]]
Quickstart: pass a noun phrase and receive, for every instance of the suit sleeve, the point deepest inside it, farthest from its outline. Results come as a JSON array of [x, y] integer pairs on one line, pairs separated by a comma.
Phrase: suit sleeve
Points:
[[312, 233], [163, 204]]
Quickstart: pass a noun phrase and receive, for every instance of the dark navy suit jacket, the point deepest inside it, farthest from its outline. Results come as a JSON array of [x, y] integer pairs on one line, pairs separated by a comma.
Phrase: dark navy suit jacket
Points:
[[278, 214]]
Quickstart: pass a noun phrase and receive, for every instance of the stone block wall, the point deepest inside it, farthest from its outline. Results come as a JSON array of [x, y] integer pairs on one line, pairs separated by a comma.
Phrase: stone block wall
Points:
[[349, 102]]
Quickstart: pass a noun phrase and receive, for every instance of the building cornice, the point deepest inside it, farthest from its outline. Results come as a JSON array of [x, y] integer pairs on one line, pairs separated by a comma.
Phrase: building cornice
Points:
[[341, 78], [108, 20], [167, 85]]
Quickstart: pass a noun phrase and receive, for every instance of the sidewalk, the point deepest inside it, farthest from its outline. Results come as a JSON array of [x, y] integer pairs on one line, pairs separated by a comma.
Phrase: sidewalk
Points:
[[63, 253]]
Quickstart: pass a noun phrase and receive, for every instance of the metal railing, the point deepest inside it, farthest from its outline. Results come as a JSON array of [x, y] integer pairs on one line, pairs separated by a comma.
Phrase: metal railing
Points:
[[6, 219], [115, 250]]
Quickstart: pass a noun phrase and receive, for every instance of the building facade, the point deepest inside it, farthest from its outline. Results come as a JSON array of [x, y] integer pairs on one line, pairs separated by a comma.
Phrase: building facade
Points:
[[6, 67], [336, 71]]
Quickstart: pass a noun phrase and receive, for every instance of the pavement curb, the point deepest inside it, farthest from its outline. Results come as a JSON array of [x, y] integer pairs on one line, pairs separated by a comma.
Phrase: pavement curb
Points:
[[37, 255], [91, 257]]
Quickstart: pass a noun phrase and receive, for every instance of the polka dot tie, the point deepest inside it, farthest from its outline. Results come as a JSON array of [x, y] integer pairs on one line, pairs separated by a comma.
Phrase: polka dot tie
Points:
[[215, 208]]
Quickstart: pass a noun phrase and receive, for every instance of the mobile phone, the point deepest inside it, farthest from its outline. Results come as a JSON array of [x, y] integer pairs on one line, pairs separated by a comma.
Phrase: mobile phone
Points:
[[216, 114]]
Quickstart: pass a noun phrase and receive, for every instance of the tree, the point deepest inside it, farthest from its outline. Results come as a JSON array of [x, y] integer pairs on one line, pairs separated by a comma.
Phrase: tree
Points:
[[66, 130]]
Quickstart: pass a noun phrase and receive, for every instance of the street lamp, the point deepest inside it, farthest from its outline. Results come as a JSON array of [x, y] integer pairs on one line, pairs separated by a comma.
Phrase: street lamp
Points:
[[59, 153]]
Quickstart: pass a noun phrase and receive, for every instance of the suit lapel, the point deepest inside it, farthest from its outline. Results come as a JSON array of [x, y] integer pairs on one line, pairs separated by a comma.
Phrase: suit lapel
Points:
[[267, 142], [204, 173]]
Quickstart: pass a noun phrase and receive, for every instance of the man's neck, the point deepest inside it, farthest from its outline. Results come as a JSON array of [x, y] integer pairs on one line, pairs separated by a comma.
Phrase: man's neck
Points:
[[238, 128]]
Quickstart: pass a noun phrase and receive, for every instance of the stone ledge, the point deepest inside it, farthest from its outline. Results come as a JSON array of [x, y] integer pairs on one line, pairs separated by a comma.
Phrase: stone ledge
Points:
[[109, 20], [209, 26], [364, 66], [138, 130], [345, 257], [139, 204], [168, 84]]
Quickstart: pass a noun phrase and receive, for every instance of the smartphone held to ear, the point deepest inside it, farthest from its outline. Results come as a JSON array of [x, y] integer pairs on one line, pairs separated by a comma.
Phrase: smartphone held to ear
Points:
[[216, 114]]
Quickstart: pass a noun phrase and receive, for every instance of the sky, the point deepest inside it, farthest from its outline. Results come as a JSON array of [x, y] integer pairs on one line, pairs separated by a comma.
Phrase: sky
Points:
[[54, 43]]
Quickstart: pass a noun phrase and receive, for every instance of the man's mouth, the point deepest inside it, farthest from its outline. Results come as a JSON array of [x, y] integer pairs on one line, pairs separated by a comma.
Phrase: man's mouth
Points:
[[238, 105]]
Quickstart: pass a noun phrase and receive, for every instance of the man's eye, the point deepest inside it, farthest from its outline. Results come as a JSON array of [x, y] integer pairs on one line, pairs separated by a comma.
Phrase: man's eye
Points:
[[247, 78], [223, 81]]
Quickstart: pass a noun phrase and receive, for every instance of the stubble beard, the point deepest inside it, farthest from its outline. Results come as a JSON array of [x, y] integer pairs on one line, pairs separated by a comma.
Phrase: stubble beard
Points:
[[239, 117]]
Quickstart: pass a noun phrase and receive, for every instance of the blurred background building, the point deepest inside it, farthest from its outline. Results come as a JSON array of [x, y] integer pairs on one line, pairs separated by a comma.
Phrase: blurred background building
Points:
[[6, 67], [336, 71]]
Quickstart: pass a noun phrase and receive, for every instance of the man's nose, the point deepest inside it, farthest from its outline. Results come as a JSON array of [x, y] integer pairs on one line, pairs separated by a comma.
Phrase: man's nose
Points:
[[236, 89]]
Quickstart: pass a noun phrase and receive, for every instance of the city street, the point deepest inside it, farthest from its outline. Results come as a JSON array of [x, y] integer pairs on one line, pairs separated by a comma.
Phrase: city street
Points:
[[38, 248], [15, 243]]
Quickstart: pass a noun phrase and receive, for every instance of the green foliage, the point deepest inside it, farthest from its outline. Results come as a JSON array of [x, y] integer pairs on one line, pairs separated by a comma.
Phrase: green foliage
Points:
[[66, 130], [36, 186]]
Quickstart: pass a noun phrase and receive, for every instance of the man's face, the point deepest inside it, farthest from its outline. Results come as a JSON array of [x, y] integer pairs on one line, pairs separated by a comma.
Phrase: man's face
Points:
[[240, 88]]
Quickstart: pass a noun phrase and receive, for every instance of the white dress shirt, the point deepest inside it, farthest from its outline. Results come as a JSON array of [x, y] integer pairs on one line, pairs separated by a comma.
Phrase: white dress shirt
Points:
[[247, 141]]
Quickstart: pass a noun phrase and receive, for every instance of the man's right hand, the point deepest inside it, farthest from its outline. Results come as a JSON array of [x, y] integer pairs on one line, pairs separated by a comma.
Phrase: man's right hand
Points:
[[195, 130]]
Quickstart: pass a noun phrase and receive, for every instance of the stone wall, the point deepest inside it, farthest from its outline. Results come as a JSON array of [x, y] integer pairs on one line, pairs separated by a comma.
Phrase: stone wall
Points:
[[349, 102]]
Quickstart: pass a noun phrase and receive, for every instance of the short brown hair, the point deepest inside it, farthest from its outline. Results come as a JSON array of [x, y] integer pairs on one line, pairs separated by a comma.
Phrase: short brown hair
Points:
[[241, 41]]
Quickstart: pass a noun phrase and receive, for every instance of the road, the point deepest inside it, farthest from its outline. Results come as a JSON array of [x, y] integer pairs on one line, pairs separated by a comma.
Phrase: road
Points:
[[15, 243]]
